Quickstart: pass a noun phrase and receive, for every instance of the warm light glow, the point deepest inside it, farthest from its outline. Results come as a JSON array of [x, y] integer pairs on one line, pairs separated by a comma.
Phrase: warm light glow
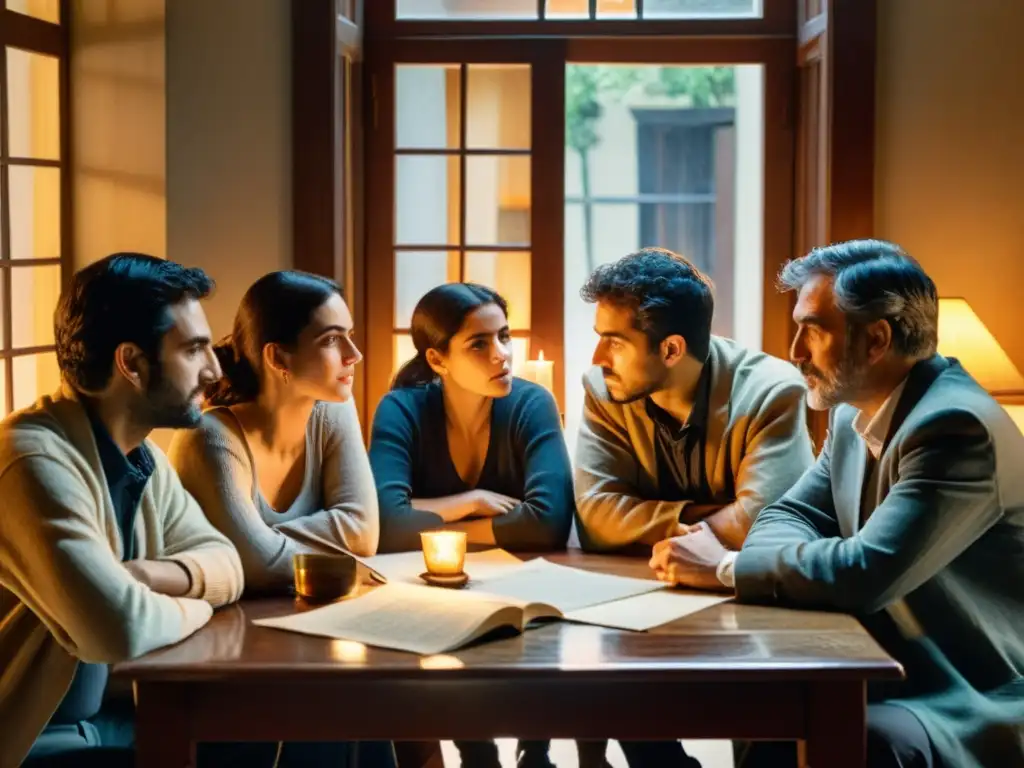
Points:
[[1017, 414], [540, 371], [444, 552], [347, 650], [441, 661], [964, 336]]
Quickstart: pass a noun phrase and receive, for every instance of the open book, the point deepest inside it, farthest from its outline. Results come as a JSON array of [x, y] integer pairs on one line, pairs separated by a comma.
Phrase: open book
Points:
[[428, 620]]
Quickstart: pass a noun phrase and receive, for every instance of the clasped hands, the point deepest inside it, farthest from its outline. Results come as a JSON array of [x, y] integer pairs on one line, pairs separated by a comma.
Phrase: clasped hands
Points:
[[690, 559]]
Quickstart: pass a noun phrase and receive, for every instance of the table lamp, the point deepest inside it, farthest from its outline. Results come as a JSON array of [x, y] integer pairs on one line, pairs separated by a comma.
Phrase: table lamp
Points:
[[964, 336]]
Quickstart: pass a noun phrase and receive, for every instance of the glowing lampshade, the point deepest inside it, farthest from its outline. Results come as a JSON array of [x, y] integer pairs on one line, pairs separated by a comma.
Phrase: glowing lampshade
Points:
[[962, 335]]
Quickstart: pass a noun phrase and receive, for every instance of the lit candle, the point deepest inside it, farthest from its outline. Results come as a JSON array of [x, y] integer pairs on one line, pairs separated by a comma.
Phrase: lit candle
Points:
[[444, 552], [540, 371]]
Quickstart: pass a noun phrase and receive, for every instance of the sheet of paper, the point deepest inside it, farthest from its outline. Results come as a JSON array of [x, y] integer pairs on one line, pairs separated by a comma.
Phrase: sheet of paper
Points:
[[401, 616], [565, 588], [407, 566], [643, 612]]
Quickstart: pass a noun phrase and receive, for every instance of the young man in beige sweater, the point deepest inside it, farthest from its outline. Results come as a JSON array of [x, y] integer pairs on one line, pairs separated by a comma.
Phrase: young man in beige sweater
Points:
[[683, 431], [103, 555]]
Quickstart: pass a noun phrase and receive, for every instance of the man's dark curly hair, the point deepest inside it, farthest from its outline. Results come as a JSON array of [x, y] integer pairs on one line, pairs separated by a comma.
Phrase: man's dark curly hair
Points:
[[122, 298], [667, 293]]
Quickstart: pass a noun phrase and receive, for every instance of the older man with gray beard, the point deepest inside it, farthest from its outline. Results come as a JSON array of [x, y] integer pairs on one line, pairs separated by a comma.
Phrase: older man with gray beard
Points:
[[912, 518]]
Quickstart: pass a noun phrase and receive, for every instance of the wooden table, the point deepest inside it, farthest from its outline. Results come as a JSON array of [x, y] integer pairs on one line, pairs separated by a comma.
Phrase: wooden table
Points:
[[728, 672]]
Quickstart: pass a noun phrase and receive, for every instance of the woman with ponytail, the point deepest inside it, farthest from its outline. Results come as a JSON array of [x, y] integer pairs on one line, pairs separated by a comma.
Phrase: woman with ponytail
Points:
[[460, 444], [278, 462]]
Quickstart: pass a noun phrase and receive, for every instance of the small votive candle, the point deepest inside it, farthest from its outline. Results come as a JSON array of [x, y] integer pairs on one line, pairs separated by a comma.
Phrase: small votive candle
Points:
[[444, 552]]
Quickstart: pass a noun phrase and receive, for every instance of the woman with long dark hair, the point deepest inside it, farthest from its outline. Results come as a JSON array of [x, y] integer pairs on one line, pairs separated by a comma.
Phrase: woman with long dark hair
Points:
[[278, 464], [459, 443]]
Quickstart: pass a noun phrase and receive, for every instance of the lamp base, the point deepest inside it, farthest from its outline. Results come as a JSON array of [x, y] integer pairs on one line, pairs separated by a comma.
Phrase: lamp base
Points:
[[455, 581]]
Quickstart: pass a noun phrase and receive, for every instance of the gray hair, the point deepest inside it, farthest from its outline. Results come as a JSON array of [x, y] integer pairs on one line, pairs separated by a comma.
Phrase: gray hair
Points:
[[875, 280]]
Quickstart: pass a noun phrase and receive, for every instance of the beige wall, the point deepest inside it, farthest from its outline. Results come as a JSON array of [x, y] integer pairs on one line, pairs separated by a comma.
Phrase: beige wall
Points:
[[182, 137], [949, 158], [229, 143], [119, 128]]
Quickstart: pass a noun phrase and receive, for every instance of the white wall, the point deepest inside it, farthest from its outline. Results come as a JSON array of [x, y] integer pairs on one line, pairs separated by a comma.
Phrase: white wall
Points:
[[949, 155]]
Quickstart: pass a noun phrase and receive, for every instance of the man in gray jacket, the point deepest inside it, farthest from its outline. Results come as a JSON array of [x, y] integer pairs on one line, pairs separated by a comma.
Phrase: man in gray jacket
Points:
[[912, 518]]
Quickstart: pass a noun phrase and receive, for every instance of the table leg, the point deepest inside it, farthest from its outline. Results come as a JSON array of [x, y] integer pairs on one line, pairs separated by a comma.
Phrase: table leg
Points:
[[836, 736], [162, 737]]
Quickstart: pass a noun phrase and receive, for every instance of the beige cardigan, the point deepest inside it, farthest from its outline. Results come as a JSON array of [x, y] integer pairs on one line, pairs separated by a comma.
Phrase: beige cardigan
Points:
[[64, 594], [757, 446]]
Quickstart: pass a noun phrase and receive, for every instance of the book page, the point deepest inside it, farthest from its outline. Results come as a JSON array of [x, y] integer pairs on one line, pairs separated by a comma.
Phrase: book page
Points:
[[643, 612], [407, 566], [565, 588], [424, 620]]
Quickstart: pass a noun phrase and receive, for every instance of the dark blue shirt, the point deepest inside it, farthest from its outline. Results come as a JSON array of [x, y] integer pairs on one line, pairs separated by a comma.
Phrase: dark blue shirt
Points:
[[526, 459], [679, 448], [126, 478]]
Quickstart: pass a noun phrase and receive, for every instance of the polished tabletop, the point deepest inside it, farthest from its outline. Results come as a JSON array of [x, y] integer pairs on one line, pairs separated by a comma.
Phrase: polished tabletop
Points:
[[727, 642]]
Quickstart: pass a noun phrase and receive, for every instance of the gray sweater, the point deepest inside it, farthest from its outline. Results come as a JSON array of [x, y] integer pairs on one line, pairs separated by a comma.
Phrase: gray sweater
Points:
[[335, 509]]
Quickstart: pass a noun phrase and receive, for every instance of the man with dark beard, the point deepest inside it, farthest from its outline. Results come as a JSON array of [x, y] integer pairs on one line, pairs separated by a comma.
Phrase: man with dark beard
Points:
[[911, 519], [103, 555], [685, 435]]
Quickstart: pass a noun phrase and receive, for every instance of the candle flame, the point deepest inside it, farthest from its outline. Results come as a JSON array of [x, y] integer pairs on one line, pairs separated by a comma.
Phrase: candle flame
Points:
[[540, 356]]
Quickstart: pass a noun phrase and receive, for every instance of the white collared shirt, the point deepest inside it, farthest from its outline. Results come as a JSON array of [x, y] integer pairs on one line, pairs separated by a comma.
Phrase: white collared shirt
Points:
[[873, 432]]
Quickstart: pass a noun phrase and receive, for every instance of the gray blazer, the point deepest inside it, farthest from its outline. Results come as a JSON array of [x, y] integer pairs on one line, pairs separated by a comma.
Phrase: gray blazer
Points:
[[936, 573]]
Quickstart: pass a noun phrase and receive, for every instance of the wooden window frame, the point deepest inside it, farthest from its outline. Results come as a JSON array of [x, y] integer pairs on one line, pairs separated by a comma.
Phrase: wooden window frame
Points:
[[788, 34], [35, 36]]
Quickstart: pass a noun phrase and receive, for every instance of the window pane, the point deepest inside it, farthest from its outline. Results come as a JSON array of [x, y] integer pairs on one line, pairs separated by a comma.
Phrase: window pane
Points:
[[34, 294], [47, 10], [427, 107], [668, 156], [616, 9], [416, 272], [35, 212], [3, 310], [701, 9], [467, 9], [33, 105], [34, 376], [567, 9], [426, 200], [3, 386], [403, 351], [498, 106], [497, 200], [507, 272]]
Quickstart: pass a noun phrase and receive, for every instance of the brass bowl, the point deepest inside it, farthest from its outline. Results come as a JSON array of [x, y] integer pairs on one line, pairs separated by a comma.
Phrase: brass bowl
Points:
[[322, 578]]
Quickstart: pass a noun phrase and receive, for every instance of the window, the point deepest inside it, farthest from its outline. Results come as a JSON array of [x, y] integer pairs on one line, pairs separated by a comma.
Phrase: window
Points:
[[462, 188], [576, 9], [33, 252]]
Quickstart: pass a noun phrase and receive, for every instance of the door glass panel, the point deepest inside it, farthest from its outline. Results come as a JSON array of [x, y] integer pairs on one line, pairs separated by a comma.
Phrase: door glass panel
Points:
[[35, 212], [507, 272], [498, 106], [701, 9], [616, 9], [427, 106], [498, 200], [466, 9], [47, 10], [416, 272], [426, 200], [34, 376], [33, 105], [34, 295], [667, 156]]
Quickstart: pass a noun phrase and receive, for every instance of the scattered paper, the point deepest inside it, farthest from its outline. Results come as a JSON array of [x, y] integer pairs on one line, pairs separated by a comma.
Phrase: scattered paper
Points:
[[643, 612]]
